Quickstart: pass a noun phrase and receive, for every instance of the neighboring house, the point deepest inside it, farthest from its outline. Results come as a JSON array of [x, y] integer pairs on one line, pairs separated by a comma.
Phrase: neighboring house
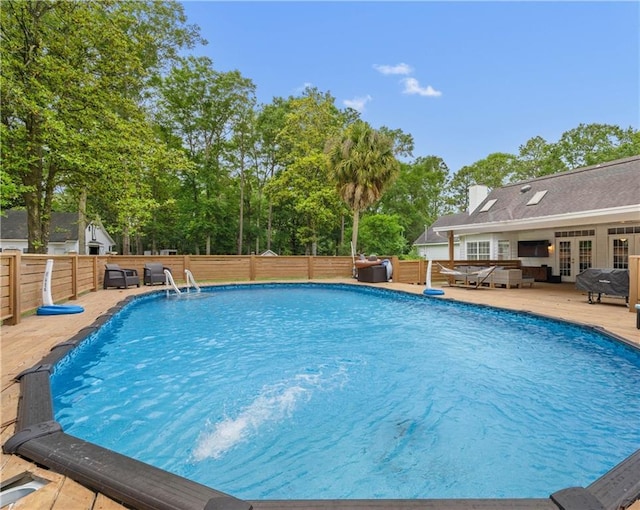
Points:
[[560, 224], [435, 245], [63, 237]]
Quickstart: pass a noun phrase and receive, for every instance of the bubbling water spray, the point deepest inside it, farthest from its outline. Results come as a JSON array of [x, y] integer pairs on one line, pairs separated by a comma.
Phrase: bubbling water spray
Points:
[[274, 404]]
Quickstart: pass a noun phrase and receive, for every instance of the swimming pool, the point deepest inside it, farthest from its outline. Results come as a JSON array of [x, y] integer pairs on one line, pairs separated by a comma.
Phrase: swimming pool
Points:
[[462, 412]]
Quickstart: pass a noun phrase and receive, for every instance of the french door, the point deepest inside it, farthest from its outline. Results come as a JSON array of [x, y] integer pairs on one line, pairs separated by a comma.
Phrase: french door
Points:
[[574, 256]]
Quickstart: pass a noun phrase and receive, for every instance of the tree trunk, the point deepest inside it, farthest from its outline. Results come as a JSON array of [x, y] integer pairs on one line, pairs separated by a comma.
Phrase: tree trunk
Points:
[[154, 241], [257, 252], [139, 250], [32, 180], [269, 225], [34, 232], [208, 246], [354, 235], [241, 216], [126, 242]]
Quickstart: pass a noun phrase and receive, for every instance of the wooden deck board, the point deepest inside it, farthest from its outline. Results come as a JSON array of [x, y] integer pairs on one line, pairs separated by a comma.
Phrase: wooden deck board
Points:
[[23, 345], [74, 495]]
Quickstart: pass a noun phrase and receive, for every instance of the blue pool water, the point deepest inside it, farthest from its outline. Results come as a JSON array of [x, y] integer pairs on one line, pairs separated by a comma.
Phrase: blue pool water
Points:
[[328, 391]]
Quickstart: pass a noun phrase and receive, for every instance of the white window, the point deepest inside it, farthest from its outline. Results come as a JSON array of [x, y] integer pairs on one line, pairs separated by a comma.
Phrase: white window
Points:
[[504, 250], [621, 253], [478, 250]]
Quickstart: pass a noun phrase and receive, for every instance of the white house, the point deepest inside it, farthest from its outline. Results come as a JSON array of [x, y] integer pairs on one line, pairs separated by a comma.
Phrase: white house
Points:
[[435, 245], [63, 237], [560, 224]]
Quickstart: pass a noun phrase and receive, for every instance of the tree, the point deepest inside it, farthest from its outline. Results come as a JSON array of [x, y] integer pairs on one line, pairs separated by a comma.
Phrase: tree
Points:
[[302, 192], [73, 72], [269, 158], [242, 156], [536, 158], [493, 171], [418, 195], [587, 144], [205, 109], [590, 144], [362, 163], [382, 234]]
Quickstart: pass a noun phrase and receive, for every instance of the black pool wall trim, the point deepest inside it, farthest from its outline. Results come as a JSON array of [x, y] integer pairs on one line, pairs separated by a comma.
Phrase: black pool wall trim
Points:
[[40, 439]]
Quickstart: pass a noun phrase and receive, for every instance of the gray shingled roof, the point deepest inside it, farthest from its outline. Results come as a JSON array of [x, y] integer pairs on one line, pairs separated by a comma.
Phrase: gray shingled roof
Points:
[[603, 187], [64, 226], [449, 220]]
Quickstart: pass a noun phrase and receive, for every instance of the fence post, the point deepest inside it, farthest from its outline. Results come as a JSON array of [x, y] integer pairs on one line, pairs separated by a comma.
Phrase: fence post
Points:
[[74, 276], [634, 282], [14, 286], [310, 264], [395, 276], [95, 274], [252, 268]]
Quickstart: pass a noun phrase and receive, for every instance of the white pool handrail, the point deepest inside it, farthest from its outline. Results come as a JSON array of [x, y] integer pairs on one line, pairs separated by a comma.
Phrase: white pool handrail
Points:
[[191, 281], [168, 280], [47, 300]]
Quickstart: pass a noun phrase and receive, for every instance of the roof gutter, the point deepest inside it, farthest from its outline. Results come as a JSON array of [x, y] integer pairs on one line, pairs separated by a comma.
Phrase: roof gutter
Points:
[[596, 216]]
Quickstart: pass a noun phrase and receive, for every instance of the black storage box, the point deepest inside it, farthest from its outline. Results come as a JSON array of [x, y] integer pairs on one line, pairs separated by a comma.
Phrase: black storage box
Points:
[[372, 274]]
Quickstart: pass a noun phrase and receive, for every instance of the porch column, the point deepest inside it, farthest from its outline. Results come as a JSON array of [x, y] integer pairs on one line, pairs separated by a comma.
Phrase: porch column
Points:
[[451, 251]]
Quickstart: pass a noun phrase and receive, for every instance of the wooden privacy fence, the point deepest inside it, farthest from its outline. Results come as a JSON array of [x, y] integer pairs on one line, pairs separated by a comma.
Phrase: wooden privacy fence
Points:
[[21, 275]]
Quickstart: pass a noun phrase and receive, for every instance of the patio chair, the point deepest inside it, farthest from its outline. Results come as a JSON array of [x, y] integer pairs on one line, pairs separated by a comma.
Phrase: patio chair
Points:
[[115, 276], [154, 273]]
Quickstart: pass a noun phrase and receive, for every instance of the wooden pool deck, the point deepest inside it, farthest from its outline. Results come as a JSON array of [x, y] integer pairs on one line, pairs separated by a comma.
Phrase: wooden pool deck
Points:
[[27, 343]]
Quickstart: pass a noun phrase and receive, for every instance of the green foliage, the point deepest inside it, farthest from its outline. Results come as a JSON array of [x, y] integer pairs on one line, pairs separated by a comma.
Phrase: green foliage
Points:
[[362, 164], [382, 234], [492, 171], [589, 144], [9, 190], [210, 113], [171, 152], [301, 191], [417, 196], [74, 74]]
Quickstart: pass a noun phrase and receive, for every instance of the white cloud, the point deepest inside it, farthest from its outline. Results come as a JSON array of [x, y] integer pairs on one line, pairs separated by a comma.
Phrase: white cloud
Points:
[[411, 86], [306, 85], [397, 69], [357, 103]]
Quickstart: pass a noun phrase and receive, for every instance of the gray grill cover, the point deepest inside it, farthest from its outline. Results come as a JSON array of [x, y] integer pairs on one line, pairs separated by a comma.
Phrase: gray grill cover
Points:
[[614, 282]]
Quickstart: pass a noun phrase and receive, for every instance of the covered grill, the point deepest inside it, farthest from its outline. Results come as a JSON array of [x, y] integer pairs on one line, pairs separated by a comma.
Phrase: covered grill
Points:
[[612, 282]]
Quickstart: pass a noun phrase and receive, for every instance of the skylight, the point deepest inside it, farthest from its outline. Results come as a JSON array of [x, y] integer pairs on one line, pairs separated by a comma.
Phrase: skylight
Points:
[[488, 205], [535, 199]]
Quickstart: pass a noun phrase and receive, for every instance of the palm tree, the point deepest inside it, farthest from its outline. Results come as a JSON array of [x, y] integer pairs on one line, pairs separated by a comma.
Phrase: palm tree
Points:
[[362, 163]]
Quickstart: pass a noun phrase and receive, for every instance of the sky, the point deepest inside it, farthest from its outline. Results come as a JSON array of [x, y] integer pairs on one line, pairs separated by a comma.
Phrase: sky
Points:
[[465, 79]]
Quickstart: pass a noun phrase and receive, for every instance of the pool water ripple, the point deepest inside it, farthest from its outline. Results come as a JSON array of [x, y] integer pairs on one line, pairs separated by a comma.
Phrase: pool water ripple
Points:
[[329, 392]]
